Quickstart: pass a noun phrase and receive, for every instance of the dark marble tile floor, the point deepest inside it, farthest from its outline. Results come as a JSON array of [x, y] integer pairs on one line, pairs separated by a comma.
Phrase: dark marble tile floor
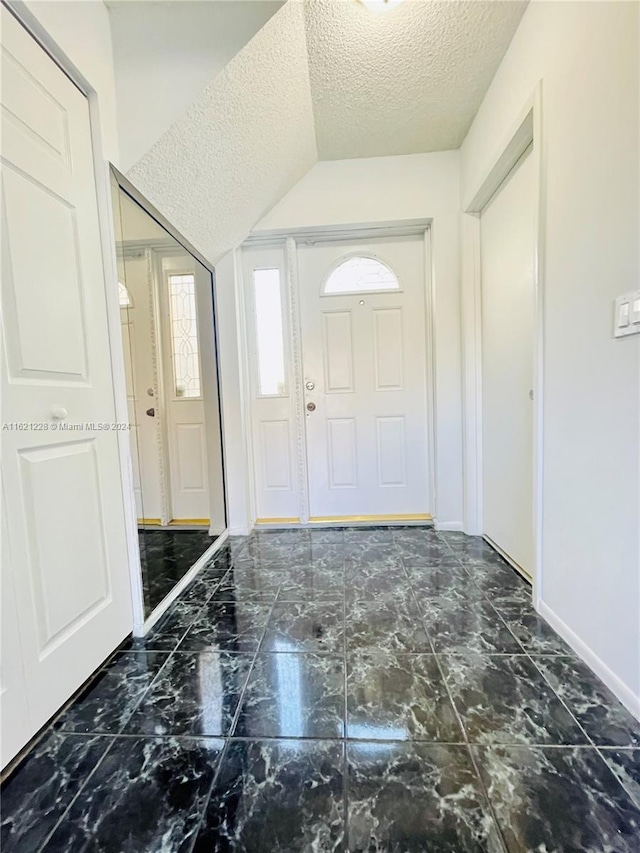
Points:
[[357, 689], [166, 556]]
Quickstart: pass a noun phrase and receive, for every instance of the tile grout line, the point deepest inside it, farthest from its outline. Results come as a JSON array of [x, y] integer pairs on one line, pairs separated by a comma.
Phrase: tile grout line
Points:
[[207, 799], [107, 735], [590, 745], [590, 741], [227, 737], [112, 738], [200, 818], [345, 726], [133, 735], [470, 751]]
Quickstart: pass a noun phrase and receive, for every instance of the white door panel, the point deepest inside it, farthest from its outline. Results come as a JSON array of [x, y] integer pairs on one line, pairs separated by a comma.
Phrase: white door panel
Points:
[[508, 327], [185, 416], [64, 505], [365, 354], [140, 358]]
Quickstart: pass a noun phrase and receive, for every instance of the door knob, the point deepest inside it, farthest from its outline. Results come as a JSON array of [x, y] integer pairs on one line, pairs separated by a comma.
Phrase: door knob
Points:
[[310, 386], [58, 413], [311, 407], [151, 413]]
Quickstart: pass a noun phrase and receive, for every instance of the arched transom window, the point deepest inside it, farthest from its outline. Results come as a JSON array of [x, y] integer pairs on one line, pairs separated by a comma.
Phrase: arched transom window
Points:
[[360, 274]]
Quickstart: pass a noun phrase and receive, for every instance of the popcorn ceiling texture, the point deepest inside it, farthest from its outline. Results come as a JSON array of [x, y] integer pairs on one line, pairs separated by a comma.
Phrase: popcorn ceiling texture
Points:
[[327, 79], [406, 81], [246, 140]]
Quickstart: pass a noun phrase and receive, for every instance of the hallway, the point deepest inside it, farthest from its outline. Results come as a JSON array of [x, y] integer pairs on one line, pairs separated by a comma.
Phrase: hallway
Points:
[[360, 689]]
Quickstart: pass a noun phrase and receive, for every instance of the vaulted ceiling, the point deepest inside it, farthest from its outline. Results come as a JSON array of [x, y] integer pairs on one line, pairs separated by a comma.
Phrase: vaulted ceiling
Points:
[[225, 104], [405, 81]]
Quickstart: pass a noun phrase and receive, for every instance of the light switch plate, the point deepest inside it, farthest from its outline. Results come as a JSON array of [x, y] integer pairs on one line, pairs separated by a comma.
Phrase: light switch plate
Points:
[[626, 318]]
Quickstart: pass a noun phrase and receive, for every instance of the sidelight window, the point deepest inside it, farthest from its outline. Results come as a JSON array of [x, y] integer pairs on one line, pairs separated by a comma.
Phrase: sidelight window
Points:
[[269, 332]]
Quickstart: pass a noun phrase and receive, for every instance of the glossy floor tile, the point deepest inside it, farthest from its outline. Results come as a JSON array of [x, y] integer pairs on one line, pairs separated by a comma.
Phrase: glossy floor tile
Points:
[[414, 797], [394, 696], [356, 689], [294, 695], [284, 795], [558, 799], [145, 794], [504, 699], [166, 555], [194, 694]]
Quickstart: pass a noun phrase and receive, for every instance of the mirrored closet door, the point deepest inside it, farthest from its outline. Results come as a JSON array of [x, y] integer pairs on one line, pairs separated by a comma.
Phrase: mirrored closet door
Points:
[[166, 299]]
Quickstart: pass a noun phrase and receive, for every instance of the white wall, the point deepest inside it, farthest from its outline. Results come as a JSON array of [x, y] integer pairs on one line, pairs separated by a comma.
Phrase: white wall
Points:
[[82, 32], [166, 53], [387, 189], [586, 55]]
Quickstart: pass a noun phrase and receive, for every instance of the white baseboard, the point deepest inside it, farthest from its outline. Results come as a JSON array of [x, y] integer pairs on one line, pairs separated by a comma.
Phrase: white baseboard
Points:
[[182, 584], [624, 693], [453, 526], [240, 531]]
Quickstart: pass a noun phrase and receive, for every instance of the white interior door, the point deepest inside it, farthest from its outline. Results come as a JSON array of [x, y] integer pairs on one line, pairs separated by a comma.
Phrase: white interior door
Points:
[[365, 374], [508, 328], [184, 404], [64, 504]]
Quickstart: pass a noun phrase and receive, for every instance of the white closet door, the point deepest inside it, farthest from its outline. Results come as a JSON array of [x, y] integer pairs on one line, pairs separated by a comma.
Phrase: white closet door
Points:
[[508, 328], [64, 505]]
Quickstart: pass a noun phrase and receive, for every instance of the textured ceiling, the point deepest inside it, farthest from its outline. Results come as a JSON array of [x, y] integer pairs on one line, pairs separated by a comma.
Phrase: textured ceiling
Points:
[[406, 81], [241, 145]]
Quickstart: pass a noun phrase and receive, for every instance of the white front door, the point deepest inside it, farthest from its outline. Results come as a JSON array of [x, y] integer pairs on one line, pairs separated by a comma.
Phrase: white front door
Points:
[[507, 228], [69, 572], [365, 376]]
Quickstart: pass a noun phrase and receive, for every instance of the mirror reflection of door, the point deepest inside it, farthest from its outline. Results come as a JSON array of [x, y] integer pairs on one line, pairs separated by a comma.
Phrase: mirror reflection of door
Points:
[[168, 333]]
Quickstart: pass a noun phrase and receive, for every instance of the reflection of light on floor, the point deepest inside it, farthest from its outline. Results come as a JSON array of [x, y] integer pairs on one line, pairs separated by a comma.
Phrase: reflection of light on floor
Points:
[[211, 693], [364, 731], [289, 696]]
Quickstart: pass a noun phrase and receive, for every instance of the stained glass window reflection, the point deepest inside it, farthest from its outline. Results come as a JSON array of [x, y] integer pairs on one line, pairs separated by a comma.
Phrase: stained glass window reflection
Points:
[[184, 335], [361, 274], [124, 296]]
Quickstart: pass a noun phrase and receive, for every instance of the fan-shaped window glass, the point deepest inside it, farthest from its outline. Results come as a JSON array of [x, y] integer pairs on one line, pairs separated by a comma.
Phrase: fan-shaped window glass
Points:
[[360, 274]]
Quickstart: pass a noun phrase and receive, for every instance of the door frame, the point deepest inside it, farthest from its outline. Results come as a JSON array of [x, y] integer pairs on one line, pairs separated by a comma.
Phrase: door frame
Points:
[[288, 241], [526, 131]]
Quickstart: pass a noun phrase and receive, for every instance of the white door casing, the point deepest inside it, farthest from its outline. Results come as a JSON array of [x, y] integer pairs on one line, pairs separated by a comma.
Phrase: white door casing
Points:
[[507, 242], [14, 719], [365, 355], [64, 500]]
